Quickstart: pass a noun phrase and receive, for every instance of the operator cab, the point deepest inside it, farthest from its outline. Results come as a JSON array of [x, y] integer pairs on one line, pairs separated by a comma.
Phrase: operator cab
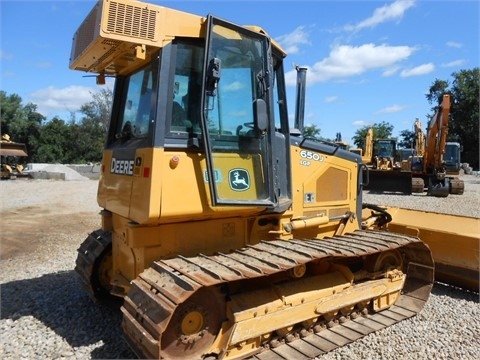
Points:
[[221, 96], [452, 157], [384, 148]]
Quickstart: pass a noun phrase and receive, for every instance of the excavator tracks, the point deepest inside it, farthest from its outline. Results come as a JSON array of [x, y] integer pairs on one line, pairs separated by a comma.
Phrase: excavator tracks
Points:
[[177, 309]]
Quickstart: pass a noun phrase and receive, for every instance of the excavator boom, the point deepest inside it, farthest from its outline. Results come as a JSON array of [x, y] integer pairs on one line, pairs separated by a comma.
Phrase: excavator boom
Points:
[[437, 135], [429, 166]]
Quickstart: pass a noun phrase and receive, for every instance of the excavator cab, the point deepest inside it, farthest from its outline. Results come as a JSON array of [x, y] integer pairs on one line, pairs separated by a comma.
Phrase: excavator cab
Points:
[[452, 157]]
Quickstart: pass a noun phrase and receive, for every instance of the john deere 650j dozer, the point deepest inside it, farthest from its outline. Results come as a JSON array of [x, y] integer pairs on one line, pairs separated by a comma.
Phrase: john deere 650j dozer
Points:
[[226, 236]]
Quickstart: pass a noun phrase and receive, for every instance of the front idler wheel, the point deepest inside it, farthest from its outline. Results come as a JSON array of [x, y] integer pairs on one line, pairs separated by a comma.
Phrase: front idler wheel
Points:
[[194, 326]]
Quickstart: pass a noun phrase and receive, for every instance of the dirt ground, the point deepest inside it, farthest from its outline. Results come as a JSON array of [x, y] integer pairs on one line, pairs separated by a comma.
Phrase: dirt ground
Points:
[[52, 212], [33, 211]]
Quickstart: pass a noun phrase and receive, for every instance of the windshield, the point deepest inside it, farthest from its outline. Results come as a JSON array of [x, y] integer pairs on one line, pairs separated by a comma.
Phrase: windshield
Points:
[[384, 148], [452, 154]]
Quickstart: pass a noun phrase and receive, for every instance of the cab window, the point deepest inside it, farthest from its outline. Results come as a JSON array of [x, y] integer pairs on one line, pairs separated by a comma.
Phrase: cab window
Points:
[[186, 89], [137, 110]]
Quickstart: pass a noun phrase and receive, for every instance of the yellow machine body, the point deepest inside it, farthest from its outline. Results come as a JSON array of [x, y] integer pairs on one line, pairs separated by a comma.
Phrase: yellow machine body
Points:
[[224, 235], [119, 36], [454, 242], [10, 152], [159, 202], [385, 172]]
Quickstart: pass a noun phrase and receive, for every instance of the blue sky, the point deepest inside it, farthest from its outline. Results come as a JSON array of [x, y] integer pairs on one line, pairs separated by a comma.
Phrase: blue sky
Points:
[[369, 61]]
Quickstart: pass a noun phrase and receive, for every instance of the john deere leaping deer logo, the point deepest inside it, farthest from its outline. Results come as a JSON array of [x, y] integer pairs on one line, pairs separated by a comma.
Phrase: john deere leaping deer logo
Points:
[[239, 179]]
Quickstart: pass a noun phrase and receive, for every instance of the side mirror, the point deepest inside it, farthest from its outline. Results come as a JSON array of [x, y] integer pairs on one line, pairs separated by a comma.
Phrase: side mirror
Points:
[[260, 116]]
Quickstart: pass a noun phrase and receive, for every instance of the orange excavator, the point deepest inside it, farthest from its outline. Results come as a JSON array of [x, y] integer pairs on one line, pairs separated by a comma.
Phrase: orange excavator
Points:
[[429, 165]]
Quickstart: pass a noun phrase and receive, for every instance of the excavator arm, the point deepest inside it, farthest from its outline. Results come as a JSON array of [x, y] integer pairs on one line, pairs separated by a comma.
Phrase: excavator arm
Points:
[[428, 165]]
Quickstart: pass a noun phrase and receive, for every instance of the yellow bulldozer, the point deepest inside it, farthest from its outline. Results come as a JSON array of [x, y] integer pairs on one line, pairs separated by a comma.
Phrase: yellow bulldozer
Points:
[[386, 173], [10, 152], [224, 236]]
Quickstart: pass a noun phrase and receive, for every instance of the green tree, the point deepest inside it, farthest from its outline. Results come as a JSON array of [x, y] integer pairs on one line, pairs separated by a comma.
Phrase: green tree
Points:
[[55, 142], [98, 110], [21, 122], [407, 140], [381, 130], [464, 110], [89, 139], [311, 131], [58, 141], [435, 94], [90, 133]]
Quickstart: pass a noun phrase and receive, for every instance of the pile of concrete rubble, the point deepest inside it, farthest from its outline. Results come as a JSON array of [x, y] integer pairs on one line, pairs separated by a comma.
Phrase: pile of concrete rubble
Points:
[[62, 172]]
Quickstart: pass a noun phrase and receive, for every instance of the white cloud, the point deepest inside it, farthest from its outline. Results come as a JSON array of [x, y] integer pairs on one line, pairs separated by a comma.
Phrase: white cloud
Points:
[[8, 74], [240, 114], [43, 65], [346, 61], [359, 123], [51, 100], [418, 70], [234, 86], [454, 63], [291, 42], [391, 109], [454, 44], [391, 71], [4, 55], [390, 12], [330, 99]]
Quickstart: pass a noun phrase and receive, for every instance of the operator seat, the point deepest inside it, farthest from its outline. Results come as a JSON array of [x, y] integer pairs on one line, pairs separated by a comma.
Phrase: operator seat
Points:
[[178, 115]]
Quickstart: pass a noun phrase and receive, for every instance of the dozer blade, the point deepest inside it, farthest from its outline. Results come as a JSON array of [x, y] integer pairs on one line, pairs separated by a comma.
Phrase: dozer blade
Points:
[[389, 181], [280, 299], [453, 240], [13, 149]]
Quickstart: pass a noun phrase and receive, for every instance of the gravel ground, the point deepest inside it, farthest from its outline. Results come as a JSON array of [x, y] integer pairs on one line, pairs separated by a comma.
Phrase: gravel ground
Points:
[[45, 314], [467, 204], [448, 326]]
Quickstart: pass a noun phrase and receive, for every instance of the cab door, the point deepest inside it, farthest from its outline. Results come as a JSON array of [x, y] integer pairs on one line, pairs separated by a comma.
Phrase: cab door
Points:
[[237, 117]]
